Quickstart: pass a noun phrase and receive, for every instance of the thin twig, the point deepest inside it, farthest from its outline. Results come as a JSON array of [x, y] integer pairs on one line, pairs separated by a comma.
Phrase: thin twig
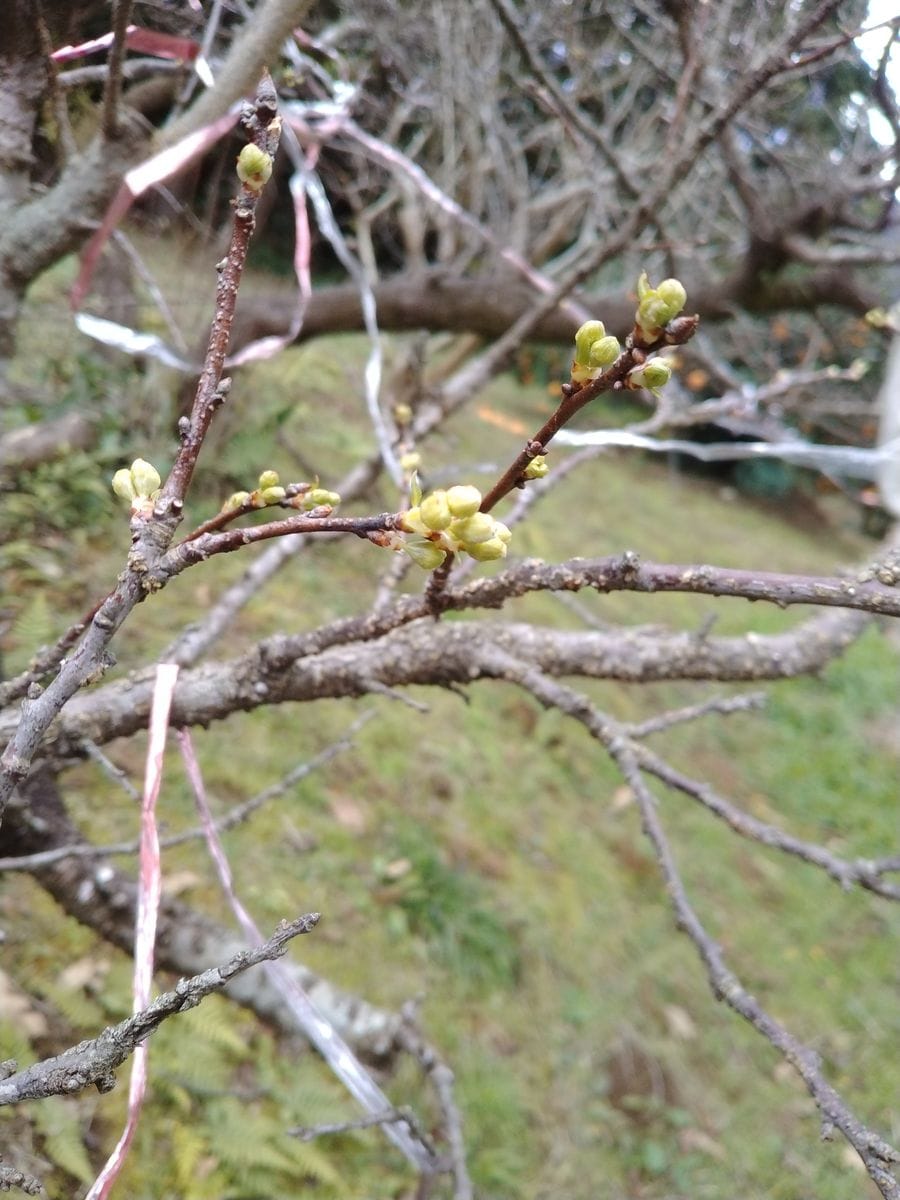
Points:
[[94, 1061], [876, 1154], [112, 89], [722, 705], [863, 872]]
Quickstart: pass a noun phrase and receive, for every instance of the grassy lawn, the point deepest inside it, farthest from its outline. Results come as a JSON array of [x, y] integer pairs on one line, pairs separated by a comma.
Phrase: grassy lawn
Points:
[[485, 856]]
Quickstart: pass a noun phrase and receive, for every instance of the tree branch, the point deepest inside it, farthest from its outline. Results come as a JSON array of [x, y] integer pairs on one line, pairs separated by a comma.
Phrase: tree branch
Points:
[[94, 1061]]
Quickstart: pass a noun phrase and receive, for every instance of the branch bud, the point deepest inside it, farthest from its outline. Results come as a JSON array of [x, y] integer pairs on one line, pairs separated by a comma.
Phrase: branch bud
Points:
[[604, 352], [487, 551], [426, 554], [268, 479], [463, 500], [652, 375], [254, 167], [537, 468], [471, 530], [435, 511], [589, 332], [123, 486]]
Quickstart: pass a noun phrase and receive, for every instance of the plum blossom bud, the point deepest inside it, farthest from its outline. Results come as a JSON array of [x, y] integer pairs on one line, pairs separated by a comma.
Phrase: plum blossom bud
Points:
[[145, 478], [673, 295], [317, 496], [470, 530], [604, 352], [652, 375], [588, 333], [426, 554], [268, 479], [123, 486], [487, 551], [537, 468], [236, 500], [254, 167], [463, 500], [435, 511]]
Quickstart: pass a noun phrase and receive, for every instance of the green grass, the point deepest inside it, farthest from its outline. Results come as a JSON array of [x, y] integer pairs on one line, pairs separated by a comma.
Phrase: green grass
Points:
[[483, 855]]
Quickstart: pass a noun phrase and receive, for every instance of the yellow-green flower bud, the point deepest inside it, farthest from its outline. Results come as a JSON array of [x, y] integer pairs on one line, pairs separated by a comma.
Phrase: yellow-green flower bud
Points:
[[477, 528], [590, 332], [268, 479], [503, 532], [435, 511], [673, 295], [402, 414], [653, 374], [537, 468], [236, 500], [145, 478], [487, 551], [412, 521], [254, 167], [411, 460], [272, 495], [643, 285], [463, 500], [652, 313], [604, 352], [426, 554], [317, 496], [122, 485]]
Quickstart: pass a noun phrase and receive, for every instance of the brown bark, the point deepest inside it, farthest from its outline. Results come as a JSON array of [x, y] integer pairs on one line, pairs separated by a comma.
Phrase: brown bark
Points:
[[439, 299]]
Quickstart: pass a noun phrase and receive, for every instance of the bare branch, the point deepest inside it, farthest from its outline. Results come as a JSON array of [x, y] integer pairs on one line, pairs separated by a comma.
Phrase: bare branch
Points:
[[877, 1154], [863, 872], [112, 89], [94, 1062]]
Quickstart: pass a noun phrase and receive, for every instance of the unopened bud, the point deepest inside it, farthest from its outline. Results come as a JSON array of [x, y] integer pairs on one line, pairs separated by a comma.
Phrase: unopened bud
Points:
[[317, 496], [268, 479], [435, 511], [477, 528], [254, 167], [426, 554], [145, 478], [236, 500], [537, 468], [463, 500], [589, 332], [487, 551], [673, 295], [412, 521], [411, 460], [123, 486], [653, 374], [272, 495], [604, 352]]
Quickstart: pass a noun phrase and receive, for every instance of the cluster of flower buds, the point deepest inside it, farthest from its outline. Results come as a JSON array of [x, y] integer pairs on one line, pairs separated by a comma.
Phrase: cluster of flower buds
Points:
[[658, 306], [139, 484], [594, 351], [449, 522], [254, 167], [269, 491]]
